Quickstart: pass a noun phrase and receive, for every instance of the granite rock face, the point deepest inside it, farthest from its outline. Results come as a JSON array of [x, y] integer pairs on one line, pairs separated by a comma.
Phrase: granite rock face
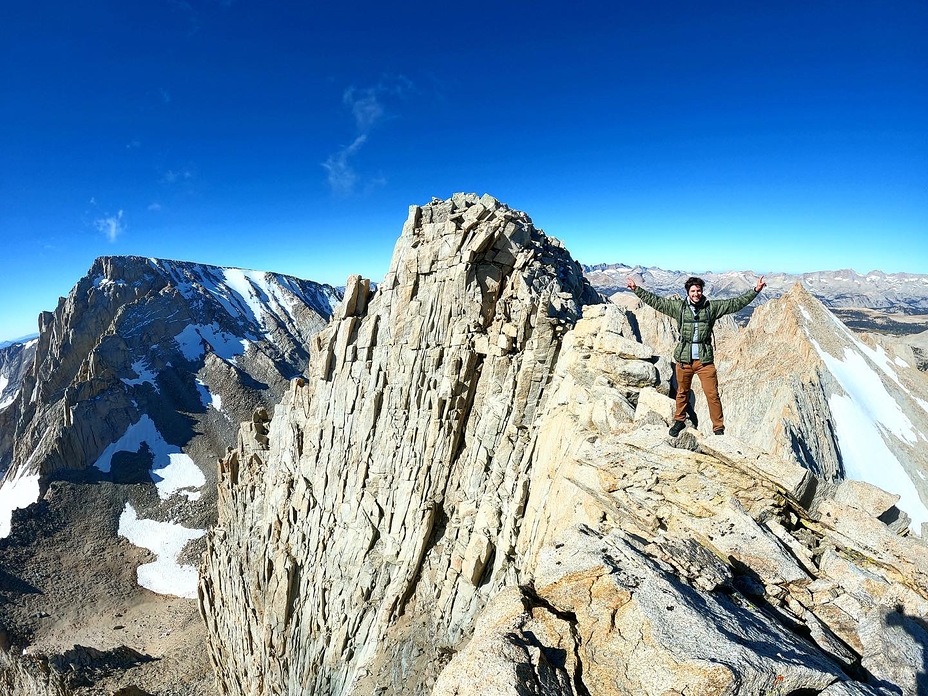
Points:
[[16, 362], [398, 471], [473, 491]]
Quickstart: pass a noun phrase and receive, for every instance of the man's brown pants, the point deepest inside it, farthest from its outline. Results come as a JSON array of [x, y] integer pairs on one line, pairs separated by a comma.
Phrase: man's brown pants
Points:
[[710, 386]]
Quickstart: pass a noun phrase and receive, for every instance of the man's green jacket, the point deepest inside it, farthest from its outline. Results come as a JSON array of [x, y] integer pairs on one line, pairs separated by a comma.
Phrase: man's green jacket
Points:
[[707, 312]]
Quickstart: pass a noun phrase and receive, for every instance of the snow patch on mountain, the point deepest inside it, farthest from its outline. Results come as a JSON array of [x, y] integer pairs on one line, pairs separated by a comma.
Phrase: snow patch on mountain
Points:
[[208, 397], [4, 381], [16, 493], [102, 281], [862, 415], [192, 342], [867, 458], [144, 374], [172, 471], [258, 298], [878, 356], [258, 294], [865, 387], [166, 540]]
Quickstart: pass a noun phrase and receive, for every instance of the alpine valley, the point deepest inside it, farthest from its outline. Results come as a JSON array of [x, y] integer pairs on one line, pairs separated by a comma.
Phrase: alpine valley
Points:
[[460, 481]]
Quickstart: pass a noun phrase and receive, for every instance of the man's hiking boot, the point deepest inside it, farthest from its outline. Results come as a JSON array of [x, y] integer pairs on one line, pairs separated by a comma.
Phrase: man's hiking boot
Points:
[[719, 431], [677, 428]]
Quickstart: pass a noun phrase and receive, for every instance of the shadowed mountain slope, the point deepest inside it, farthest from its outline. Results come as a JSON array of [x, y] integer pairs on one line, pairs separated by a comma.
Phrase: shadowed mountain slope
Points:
[[140, 379]]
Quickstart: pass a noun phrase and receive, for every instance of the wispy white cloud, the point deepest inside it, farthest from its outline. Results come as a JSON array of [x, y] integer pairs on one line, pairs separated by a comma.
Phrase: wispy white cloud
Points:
[[155, 207], [342, 177], [368, 109], [194, 12], [172, 176], [134, 144], [111, 225]]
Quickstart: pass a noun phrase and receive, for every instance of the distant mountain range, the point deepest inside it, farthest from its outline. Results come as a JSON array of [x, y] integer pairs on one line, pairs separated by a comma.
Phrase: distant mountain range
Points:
[[905, 293], [15, 341], [896, 292]]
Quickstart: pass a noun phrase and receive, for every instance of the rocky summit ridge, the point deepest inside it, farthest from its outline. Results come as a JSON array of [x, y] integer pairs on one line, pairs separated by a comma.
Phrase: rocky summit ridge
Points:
[[472, 491]]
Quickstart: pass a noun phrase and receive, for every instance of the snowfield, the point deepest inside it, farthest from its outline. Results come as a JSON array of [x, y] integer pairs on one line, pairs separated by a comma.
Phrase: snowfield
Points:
[[19, 492], [166, 540], [172, 471], [863, 416]]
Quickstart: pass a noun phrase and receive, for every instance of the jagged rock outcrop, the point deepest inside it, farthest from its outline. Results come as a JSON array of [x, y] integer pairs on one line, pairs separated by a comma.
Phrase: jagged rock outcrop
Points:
[[110, 447], [473, 492], [402, 456]]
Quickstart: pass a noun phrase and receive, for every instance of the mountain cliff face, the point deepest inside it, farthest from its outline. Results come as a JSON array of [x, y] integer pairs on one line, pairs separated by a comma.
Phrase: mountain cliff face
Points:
[[131, 326], [472, 492], [140, 379], [15, 362]]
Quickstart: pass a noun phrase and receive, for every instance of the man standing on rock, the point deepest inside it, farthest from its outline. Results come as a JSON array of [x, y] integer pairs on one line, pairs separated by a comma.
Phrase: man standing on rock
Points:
[[694, 355]]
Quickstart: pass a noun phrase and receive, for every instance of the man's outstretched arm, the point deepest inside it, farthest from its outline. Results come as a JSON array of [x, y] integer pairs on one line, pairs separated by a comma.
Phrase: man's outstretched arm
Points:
[[661, 304], [741, 301]]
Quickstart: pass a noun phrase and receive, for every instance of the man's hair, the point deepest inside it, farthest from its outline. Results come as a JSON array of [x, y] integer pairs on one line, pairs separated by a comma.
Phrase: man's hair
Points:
[[693, 280]]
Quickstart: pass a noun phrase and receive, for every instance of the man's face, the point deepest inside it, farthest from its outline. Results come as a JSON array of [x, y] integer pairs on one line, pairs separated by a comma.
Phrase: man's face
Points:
[[695, 293]]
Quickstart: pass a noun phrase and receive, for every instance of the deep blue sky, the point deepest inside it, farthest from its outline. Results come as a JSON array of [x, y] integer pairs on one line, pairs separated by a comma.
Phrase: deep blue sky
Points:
[[293, 136]]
